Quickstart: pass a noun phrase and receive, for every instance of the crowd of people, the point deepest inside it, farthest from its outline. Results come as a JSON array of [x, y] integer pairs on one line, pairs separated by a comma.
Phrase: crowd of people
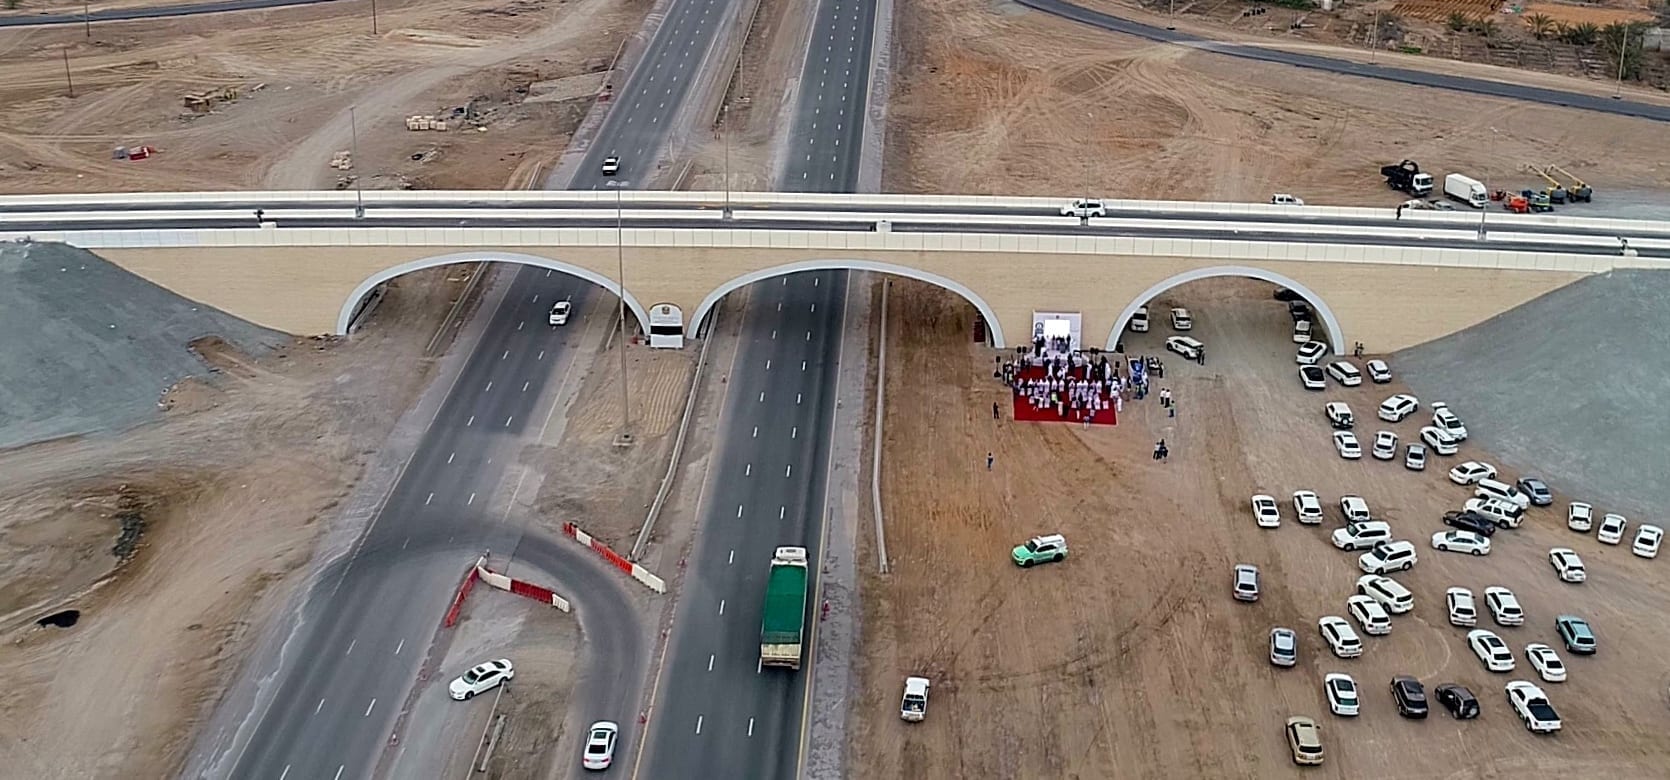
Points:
[[1075, 384]]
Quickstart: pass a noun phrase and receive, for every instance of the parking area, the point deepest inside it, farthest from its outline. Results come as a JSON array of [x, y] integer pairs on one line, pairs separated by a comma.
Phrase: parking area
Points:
[[1131, 658]]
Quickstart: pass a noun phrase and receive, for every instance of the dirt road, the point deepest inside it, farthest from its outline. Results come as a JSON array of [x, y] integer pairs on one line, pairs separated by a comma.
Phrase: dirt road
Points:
[[1130, 659]]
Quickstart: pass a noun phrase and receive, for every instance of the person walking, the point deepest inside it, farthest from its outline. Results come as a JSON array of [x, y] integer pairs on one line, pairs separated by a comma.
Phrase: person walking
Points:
[[994, 410], [1159, 447], [989, 459], [1200, 356]]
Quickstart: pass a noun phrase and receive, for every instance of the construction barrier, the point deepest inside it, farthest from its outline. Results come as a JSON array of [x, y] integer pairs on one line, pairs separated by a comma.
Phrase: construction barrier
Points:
[[522, 588], [637, 572], [463, 593]]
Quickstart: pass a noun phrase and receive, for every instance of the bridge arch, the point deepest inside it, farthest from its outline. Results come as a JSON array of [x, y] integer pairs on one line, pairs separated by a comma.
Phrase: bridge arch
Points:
[[773, 272], [1336, 335], [351, 306]]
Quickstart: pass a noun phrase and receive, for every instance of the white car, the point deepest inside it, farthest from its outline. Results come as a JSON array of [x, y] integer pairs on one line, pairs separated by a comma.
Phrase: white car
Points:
[[1567, 564], [1611, 528], [1490, 649], [1414, 457], [559, 313], [1265, 511], [611, 165], [1531, 705], [1461, 542], [1580, 517], [1181, 320], [1084, 209], [1356, 536], [1312, 378], [1502, 491], [1139, 320], [1342, 639], [1185, 346], [1472, 471], [1342, 694], [1378, 372], [1504, 606], [1385, 445], [600, 745], [1345, 373], [483, 677], [1284, 199], [1388, 556], [1374, 619], [1546, 662], [1307, 507], [1345, 443], [1301, 332], [1354, 509], [1446, 421], [1502, 513], [1440, 442], [1311, 353], [1461, 609], [1394, 597], [1647, 539], [1398, 407]]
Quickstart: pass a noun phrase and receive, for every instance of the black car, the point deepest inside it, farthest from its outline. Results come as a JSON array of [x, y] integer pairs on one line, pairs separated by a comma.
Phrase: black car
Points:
[[1287, 296], [1298, 310], [1467, 520], [1313, 377], [1458, 700], [1410, 696], [1537, 490]]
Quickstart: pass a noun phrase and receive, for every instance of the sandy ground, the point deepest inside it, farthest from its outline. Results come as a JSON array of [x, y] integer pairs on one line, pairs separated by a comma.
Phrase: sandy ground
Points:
[[292, 113], [226, 489], [1026, 104], [1131, 659]]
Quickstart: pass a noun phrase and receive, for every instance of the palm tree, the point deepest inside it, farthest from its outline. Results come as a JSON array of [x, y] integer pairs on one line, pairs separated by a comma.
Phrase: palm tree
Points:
[[1458, 21], [1541, 25]]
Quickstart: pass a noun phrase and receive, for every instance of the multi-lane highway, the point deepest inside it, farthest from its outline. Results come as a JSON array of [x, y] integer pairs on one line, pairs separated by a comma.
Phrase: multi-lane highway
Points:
[[718, 712]]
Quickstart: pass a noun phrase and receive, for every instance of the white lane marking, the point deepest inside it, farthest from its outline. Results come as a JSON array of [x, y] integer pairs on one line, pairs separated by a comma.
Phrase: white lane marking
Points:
[[732, 559], [756, 432], [508, 419], [429, 499], [285, 773], [738, 510], [785, 281], [698, 724], [318, 707], [814, 307], [536, 298], [774, 333], [450, 456], [721, 606], [759, 666], [797, 398], [748, 470], [814, 281], [779, 305], [762, 396], [339, 771], [351, 647], [802, 365], [469, 422], [710, 662], [794, 433], [541, 355], [750, 727], [780, 511], [471, 501], [808, 335], [768, 365], [489, 388], [368, 708], [404, 542], [787, 470], [399, 647], [525, 386], [520, 324], [505, 355]]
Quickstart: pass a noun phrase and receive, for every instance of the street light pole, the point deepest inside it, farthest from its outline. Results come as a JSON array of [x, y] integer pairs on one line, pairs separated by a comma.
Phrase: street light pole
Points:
[[1486, 210], [625, 436], [725, 132], [1374, 39], [354, 149], [1623, 51], [87, 19]]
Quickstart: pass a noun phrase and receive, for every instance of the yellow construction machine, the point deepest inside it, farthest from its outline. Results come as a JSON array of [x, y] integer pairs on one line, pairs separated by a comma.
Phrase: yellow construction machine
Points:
[[1555, 191], [1578, 192]]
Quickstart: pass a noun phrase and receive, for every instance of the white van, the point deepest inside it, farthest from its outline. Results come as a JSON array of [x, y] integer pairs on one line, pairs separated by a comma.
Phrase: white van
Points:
[[1139, 320], [1357, 536], [1501, 491], [1496, 511], [1284, 199]]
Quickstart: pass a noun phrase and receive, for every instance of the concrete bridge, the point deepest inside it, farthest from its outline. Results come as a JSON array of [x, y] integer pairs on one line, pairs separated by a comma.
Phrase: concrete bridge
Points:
[[1373, 278]]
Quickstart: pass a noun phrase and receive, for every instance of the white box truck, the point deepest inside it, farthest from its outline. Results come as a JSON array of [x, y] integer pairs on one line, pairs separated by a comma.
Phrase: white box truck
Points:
[[1466, 189]]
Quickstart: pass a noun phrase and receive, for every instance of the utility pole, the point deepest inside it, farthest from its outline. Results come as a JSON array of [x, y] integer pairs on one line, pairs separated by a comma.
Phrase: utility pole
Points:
[[625, 436], [725, 133], [1623, 51], [373, 17], [87, 19], [1486, 210], [1374, 39], [354, 149], [67, 80]]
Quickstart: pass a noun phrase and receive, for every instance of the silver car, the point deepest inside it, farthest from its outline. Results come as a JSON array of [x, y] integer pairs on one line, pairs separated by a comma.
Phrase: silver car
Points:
[[1284, 647], [1246, 582]]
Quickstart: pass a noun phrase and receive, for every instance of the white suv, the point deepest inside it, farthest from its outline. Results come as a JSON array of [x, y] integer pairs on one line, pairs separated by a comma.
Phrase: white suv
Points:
[[1356, 536], [1388, 556], [1399, 406], [1084, 209], [1445, 420], [1499, 512], [1502, 491], [1385, 590], [1345, 373], [1462, 611], [1342, 639], [1307, 507], [1355, 509], [1370, 615]]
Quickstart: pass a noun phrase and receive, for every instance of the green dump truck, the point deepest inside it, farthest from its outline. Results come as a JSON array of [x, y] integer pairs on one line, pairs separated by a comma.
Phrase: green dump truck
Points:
[[785, 609]]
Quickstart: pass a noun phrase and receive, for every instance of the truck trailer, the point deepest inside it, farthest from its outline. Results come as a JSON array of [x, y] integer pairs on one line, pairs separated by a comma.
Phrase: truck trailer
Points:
[[1466, 189], [785, 609]]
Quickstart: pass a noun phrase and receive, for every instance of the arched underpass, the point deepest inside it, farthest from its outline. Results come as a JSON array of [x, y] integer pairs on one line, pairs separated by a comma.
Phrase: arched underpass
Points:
[[1330, 323]]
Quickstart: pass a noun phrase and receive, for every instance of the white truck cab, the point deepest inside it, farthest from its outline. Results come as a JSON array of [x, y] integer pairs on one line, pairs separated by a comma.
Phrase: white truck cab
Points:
[[914, 707]]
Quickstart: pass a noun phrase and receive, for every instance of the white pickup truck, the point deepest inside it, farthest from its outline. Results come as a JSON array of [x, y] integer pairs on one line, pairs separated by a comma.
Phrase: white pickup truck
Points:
[[915, 704]]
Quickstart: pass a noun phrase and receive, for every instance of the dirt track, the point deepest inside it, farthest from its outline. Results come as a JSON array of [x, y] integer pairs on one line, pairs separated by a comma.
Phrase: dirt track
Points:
[[1130, 659]]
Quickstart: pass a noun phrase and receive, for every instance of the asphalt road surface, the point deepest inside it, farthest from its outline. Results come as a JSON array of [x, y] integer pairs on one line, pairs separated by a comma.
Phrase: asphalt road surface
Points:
[[719, 713], [152, 12], [362, 642], [1501, 89]]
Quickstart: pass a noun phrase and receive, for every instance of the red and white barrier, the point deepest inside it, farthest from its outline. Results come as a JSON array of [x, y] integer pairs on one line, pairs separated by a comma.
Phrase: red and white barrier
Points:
[[464, 589], [638, 573], [538, 593]]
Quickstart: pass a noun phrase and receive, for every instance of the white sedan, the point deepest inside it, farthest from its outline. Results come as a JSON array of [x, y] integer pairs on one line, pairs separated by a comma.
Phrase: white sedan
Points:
[[1491, 650], [1265, 512], [1440, 442], [1307, 506], [1345, 443], [1342, 694], [1567, 564], [1611, 529], [1647, 539], [1462, 611], [1472, 471], [600, 745], [483, 677], [1580, 517], [1546, 662], [1461, 542]]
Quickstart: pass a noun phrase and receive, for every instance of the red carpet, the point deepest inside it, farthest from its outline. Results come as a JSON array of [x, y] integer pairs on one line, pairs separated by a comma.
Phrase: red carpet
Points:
[[1024, 412]]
